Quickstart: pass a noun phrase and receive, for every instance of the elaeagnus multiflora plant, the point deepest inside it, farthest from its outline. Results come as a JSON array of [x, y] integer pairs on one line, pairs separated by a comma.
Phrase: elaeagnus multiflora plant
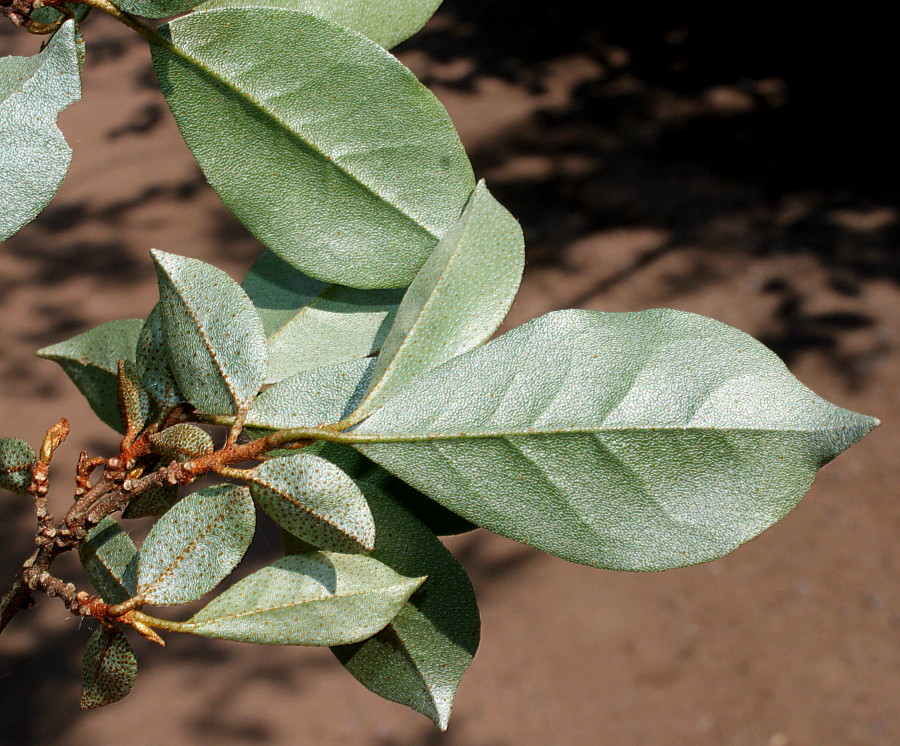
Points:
[[349, 386]]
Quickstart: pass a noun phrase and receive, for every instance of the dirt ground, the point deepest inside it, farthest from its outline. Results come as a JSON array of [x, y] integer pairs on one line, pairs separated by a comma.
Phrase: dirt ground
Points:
[[739, 171]]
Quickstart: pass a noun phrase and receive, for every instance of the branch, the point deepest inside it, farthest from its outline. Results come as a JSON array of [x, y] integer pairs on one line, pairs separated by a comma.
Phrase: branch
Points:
[[112, 493]]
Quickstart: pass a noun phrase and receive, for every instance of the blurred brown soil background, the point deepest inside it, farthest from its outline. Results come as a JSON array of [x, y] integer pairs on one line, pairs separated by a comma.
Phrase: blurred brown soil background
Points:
[[743, 168]]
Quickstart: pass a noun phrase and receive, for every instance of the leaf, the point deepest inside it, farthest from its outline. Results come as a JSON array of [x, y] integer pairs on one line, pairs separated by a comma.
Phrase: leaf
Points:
[[457, 301], [157, 8], [134, 401], [311, 398], [91, 361], [386, 22], [314, 500], [47, 15], [16, 460], [109, 669], [215, 342], [420, 657], [630, 441], [152, 363], [34, 155], [320, 598], [110, 559], [312, 324], [155, 501], [181, 442], [370, 170], [436, 517], [195, 545]]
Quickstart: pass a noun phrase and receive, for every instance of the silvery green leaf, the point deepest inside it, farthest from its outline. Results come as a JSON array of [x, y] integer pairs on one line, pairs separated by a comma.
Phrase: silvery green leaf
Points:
[[386, 22], [48, 16], [110, 559], [320, 598], [134, 401], [630, 441], [16, 460], [215, 342], [311, 398], [370, 170], [91, 360], [152, 363], [155, 501], [314, 500], [457, 301], [109, 670], [34, 155], [195, 545], [181, 442], [312, 324], [420, 657]]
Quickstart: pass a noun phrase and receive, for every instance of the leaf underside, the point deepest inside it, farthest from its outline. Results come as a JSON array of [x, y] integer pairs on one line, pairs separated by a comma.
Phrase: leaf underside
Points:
[[214, 338], [110, 560], [420, 657], [91, 361], [312, 324], [371, 171], [632, 441], [109, 669], [318, 598], [195, 545], [386, 22], [315, 501], [34, 155]]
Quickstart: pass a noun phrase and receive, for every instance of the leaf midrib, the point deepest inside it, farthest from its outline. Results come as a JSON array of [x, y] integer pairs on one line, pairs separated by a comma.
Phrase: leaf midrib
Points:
[[412, 332], [176, 561], [201, 329], [269, 609], [288, 497], [364, 438]]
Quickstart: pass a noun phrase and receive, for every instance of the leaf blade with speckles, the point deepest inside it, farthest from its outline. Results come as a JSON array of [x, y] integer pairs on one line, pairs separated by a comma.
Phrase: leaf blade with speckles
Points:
[[319, 598], [420, 657], [110, 559], [134, 400], [639, 441], [370, 170], [16, 460], [91, 361], [109, 669], [315, 501], [386, 22], [312, 397], [215, 342], [181, 442], [34, 155], [152, 363], [195, 545], [313, 324], [457, 301], [153, 502]]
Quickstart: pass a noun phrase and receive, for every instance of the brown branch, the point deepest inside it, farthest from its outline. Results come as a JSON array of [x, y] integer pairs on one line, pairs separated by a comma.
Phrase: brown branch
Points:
[[117, 486]]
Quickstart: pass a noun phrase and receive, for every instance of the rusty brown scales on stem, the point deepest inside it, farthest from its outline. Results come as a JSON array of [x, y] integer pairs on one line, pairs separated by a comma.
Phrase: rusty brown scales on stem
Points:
[[122, 480]]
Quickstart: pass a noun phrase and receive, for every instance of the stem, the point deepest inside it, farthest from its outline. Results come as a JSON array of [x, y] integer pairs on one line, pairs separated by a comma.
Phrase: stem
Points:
[[148, 32], [16, 598], [164, 624], [114, 490]]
